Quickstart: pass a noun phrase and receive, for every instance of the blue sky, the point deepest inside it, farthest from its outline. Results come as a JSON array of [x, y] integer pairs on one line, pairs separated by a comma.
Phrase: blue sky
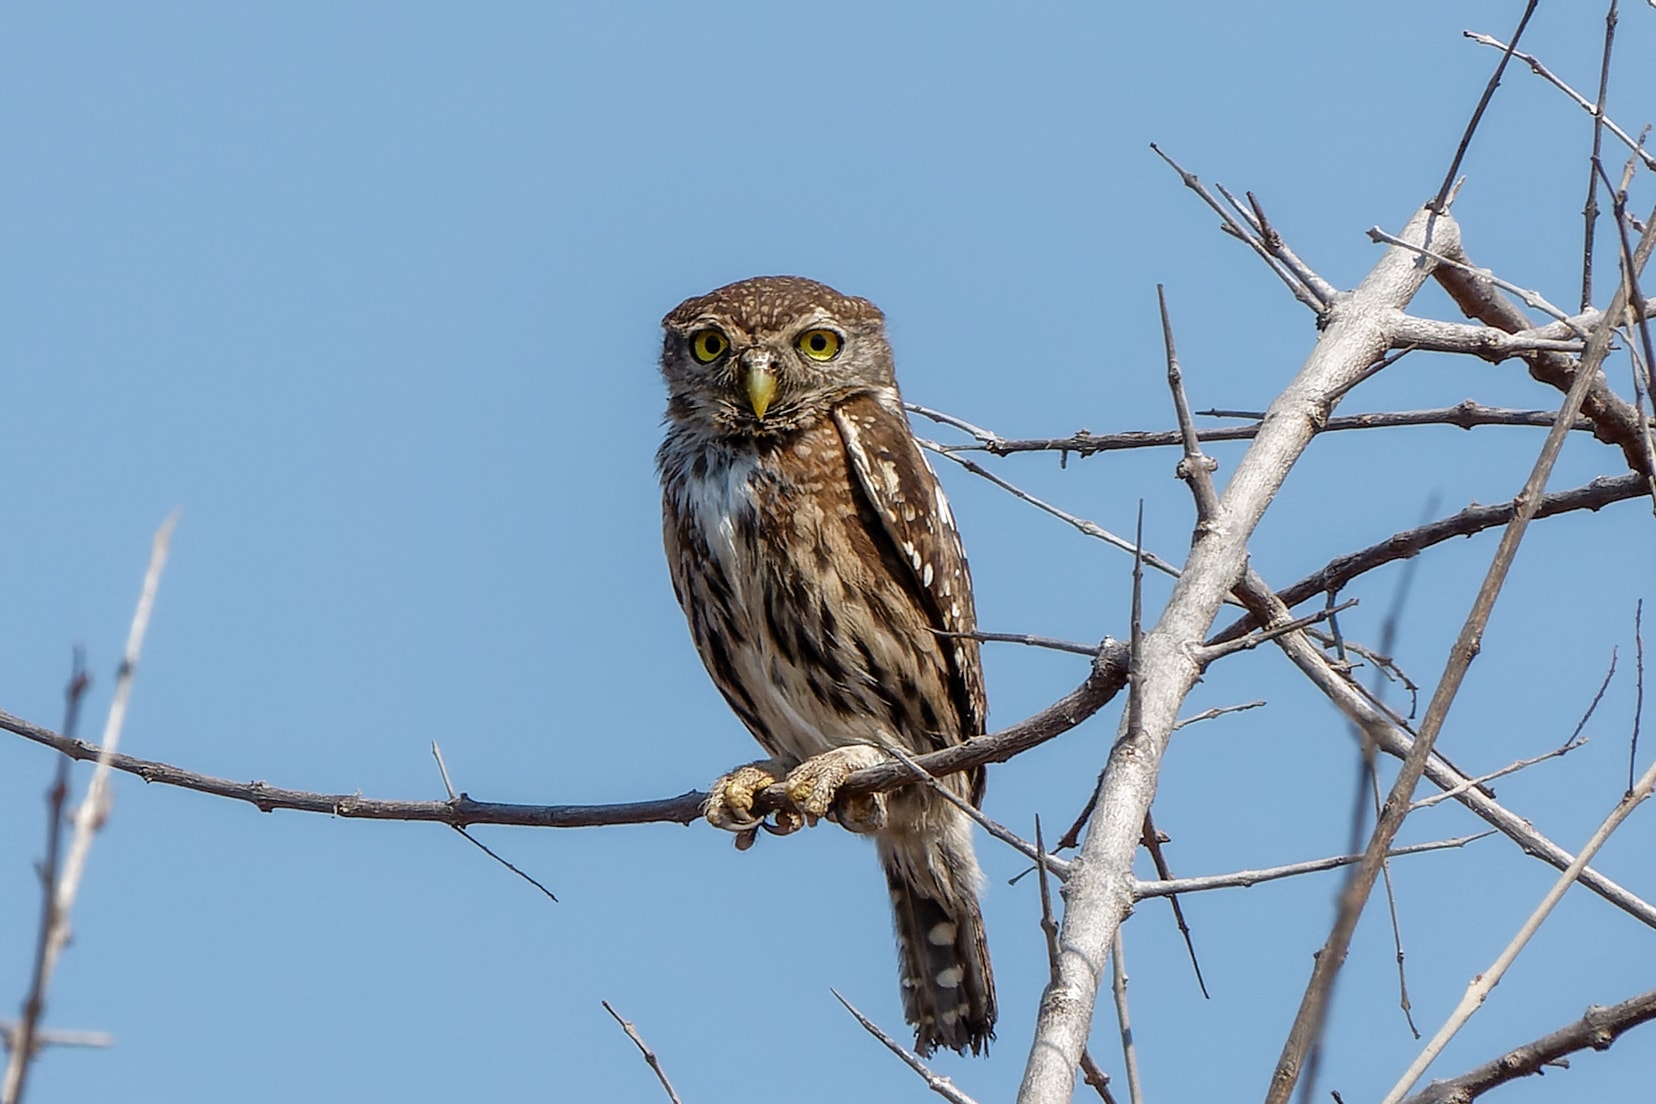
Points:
[[371, 292]]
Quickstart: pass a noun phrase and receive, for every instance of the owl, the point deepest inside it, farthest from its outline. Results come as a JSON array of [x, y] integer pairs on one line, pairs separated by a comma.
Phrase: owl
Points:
[[827, 592]]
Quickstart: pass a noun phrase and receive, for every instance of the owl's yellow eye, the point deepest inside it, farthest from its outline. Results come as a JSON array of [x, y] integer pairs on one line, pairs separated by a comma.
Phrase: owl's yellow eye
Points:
[[708, 346], [819, 344]]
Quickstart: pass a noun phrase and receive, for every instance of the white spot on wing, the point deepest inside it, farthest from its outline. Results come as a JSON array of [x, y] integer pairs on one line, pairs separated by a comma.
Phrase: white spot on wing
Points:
[[950, 978], [926, 576]]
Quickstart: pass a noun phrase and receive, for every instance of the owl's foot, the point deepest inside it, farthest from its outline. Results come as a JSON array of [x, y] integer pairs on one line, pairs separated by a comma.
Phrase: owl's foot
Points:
[[813, 787], [730, 805]]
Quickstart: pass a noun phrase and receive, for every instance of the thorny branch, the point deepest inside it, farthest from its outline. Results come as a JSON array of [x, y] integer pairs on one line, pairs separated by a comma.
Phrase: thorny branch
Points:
[[1598, 1029]]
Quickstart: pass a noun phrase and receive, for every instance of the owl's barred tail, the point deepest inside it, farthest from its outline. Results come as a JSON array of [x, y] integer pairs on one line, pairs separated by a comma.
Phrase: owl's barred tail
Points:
[[943, 955]]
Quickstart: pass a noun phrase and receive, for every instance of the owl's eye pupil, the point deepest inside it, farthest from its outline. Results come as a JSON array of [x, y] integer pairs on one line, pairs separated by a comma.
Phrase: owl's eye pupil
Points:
[[818, 342]]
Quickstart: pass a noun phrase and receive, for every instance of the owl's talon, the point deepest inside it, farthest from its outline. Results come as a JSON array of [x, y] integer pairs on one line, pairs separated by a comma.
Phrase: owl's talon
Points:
[[784, 822], [861, 813], [745, 838]]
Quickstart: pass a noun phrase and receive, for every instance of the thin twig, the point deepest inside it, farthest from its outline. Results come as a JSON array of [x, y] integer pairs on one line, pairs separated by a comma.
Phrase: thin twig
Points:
[[1595, 110], [442, 768], [1531, 298], [1304, 294], [1118, 986], [1242, 879], [1636, 310], [93, 811], [1091, 529], [1207, 655], [1590, 209], [1341, 570], [1219, 711], [448, 784], [1484, 779], [999, 831], [1153, 841], [1478, 991], [937, 1083], [649, 1055], [1638, 693], [1599, 1028], [1442, 200], [25, 1038], [1029, 640], [1467, 414], [1096, 1077]]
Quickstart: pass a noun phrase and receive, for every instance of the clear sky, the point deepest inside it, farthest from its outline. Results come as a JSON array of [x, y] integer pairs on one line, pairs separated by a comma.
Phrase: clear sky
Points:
[[371, 292]]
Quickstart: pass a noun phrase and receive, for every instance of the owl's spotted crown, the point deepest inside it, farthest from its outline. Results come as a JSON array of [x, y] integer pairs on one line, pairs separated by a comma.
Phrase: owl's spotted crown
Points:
[[766, 302]]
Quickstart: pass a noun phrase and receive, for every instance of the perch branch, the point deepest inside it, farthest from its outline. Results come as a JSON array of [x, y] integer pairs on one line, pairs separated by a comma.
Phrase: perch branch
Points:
[[1108, 674]]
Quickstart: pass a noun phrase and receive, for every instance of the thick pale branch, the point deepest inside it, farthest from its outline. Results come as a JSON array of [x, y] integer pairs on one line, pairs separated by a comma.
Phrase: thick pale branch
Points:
[[1099, 891], [1308, 1022]]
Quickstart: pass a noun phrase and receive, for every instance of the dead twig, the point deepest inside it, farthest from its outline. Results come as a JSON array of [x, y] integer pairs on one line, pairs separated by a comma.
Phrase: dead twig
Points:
[[649, 1055], [937, 1083]]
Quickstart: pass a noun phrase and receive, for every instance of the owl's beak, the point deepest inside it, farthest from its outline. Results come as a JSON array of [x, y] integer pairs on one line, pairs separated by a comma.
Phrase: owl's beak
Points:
[[760, 384]]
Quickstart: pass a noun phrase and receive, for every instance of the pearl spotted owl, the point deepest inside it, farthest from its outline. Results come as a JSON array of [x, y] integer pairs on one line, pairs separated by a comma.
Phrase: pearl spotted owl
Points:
[[819, 567]]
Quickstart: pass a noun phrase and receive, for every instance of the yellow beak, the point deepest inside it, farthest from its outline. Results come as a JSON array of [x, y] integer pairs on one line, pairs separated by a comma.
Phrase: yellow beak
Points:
[[761, 388]]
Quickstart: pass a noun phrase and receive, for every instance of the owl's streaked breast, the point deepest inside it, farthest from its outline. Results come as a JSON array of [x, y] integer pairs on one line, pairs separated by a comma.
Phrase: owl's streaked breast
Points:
[[793, 600]]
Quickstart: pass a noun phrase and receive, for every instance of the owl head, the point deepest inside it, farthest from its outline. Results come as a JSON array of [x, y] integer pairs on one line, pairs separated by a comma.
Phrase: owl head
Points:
[[770, 355]]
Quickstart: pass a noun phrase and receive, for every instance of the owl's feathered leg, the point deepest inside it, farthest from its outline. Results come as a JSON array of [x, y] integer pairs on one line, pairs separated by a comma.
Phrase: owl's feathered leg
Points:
[[943, 955]]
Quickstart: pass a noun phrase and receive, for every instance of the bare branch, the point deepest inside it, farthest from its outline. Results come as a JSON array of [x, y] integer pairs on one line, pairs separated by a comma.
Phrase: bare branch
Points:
[[1153, 841], [1590, 210], [1103, 682], [1599, 1028], [937, 1083], [1596, 110], [1465, 415], [1441, 203], [1218, 711], [1245, 878], [1342, 569], [1308, 295], [1530, 297], [1617, 422], [649, 1055], [1091, 529], [1118, 986], [89, 816], [1482, 985]]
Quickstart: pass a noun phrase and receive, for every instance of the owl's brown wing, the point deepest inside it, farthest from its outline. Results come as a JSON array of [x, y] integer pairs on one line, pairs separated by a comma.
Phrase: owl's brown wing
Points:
[[896, 480]]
